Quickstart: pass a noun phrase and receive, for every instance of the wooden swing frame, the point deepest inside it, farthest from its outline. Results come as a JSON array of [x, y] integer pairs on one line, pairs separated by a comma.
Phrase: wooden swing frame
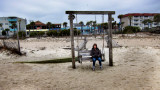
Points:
[[71, 18]]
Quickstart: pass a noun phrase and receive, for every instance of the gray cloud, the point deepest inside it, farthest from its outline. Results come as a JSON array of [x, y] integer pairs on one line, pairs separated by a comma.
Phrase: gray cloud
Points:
[[54, 10]]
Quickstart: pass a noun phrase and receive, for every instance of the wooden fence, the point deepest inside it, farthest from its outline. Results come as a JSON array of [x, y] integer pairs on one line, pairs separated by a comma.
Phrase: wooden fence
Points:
[[10, 44]]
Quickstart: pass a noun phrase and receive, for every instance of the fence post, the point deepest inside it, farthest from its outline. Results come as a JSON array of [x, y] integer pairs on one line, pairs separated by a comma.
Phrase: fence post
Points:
[[18, 40]]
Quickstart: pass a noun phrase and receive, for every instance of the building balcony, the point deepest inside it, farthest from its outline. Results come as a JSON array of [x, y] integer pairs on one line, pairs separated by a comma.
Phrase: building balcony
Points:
[[12, 19], [136, 21], [136, 18], [10, 24], [13, 29], [146, 18]]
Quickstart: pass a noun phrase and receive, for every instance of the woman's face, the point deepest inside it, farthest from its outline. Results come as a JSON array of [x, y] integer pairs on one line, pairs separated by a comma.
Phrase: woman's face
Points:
[[95, 46]]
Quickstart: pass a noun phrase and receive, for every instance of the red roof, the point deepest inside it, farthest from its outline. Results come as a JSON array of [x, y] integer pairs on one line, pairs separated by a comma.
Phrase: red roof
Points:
[[38, 23], [140, 14]]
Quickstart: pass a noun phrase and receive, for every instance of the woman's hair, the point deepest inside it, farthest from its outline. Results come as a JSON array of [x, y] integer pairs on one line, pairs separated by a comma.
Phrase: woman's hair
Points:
[[94, 45]]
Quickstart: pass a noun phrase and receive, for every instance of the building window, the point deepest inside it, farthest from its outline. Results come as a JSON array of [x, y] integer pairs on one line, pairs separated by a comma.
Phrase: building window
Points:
[[6, 23], [1, 23], [135, 20], [135, 24]]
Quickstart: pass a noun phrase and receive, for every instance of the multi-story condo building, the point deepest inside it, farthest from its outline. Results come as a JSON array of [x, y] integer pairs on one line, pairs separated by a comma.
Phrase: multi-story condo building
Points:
[[137, 19], [8, 21]]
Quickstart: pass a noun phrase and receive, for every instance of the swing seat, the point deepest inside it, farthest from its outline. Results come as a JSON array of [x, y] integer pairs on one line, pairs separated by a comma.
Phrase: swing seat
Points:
[[85, 56]]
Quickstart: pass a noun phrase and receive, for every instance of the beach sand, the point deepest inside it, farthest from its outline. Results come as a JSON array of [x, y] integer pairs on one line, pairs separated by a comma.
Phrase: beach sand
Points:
[[136, 66]]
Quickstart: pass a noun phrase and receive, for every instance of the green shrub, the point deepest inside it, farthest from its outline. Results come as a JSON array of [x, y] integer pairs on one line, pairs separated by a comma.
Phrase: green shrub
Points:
[[40, 33], [22, 33], [76, 32], [64, 33], [146, 29], [131, 29], [52, 33], [33, 34], [4, 33], [68, 32], [136, 29]]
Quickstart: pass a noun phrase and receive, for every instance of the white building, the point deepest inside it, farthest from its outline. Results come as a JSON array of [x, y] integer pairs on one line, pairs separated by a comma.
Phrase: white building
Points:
[[137, 19], [7, 23]]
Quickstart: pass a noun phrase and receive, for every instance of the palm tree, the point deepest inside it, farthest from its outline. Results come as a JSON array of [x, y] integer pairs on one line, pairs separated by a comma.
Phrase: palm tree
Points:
[[65, 25], [28, 27], [94, 25], [20, 27], [104, 26], [120, 17], [112, 19], [7, 31], [114, 26], [81, 23], [130, 19], [99, 28], [14, 25], [122, 23], [49, 25], [19, 24], [147, 21], [0, 25], [88, 23], [32, 24], [52, 26], [157, 18], [91, 23]]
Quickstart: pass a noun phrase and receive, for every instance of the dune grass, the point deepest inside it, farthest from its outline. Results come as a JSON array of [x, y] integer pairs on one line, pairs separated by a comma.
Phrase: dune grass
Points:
[[61, 60]]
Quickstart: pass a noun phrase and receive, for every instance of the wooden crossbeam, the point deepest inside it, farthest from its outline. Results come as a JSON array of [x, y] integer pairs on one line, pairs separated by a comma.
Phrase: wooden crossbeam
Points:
[[90, 12]]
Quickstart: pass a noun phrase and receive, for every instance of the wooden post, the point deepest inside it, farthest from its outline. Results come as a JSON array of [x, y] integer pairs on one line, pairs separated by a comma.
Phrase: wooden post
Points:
[[71, 17], [115, 28], [110, 39], [4, 43], [18, 39], [85, 40]]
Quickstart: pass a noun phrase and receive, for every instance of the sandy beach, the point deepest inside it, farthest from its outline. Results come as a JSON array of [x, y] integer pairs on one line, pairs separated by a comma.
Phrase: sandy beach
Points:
[[136, 65]]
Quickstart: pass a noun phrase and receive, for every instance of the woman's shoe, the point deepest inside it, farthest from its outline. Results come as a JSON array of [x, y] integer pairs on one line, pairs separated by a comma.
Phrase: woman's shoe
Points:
[[93, 68], [100, 67]]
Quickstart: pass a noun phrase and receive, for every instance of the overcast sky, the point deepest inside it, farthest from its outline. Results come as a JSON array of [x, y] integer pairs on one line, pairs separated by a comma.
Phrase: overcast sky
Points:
[[54, 10]]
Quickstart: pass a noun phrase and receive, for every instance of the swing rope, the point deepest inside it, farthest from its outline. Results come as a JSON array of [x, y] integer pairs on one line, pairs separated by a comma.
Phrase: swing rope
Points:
[[77, 34], [103, 31]]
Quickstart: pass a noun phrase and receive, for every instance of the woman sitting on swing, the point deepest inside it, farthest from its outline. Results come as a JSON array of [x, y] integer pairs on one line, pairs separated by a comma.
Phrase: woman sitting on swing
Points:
[[96, 55]]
